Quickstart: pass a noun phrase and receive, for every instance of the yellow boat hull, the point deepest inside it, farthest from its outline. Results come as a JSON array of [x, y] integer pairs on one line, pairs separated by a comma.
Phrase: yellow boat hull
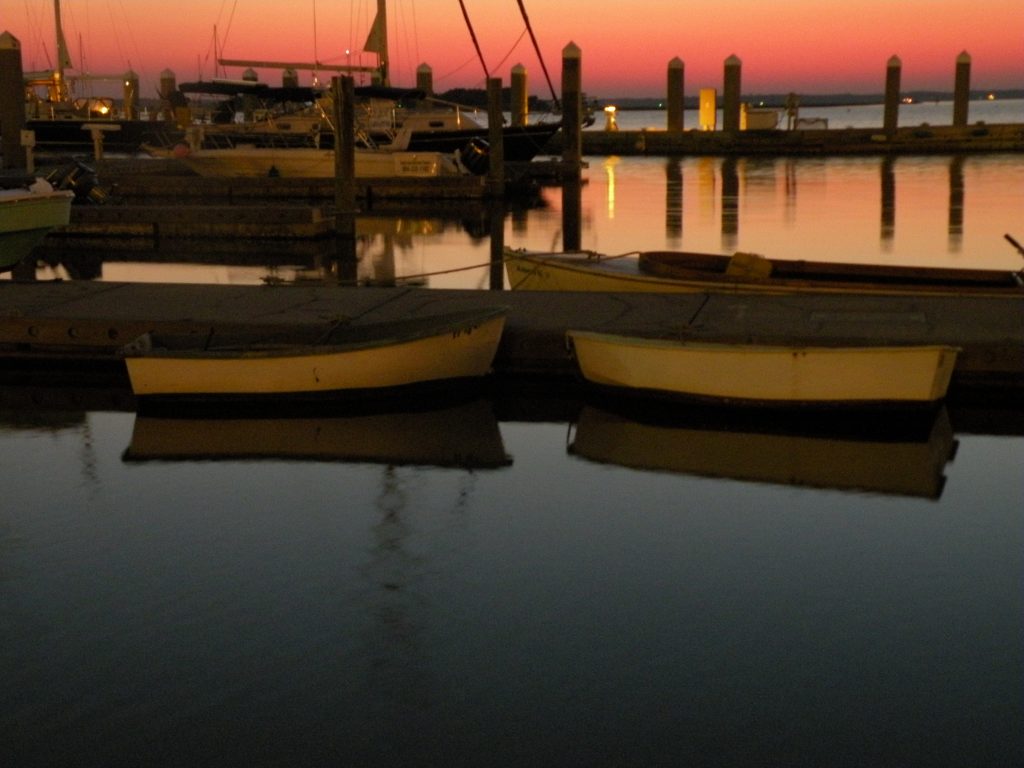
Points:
[[781, 375], [462, 350]]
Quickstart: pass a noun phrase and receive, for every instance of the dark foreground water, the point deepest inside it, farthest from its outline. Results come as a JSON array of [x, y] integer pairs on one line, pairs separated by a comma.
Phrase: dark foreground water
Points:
[[292, 592], [450, 588]]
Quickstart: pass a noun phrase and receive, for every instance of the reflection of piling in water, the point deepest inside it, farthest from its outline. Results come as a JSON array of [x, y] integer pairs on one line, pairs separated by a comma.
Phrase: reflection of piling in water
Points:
[[674, 198], [730, 203], [497, 227], [496, 158], [956, 203], [888, 228]]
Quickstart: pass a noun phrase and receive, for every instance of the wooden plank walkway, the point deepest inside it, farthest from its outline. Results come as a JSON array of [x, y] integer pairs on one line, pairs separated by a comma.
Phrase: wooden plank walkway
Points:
[[88, 321]]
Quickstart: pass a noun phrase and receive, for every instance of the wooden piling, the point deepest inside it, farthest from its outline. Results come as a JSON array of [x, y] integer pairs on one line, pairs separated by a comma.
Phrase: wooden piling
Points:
[[962, 89], [425, 79], [731, 95], [12, 102], [572, 147], [130, 102], [891, 116], [520, 96], [343, 95], [674, 99], [572, 109], [168, 88], [495, 119]]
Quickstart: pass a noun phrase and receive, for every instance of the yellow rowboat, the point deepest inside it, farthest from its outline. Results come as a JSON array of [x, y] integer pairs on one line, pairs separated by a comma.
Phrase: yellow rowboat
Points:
[[353, 359], [884, 460], [682, 272], [771, 375], [464, 435]]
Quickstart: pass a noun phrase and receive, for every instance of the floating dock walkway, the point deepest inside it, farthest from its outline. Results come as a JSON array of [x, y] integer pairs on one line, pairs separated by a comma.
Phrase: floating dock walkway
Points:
[[85, 323]]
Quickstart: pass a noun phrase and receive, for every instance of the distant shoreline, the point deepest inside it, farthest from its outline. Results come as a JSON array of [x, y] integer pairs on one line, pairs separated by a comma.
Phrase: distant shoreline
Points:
[[810, 100]]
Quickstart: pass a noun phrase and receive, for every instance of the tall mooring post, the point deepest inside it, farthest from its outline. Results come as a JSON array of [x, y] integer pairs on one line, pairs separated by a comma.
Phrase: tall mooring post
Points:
[[425, 79], [130, 102], [572, 147], [168, 88], [12, 102], [962, 89], [520, 96], [343, 95], [674, 96], [495, 136], [891, 115], [731, 95]]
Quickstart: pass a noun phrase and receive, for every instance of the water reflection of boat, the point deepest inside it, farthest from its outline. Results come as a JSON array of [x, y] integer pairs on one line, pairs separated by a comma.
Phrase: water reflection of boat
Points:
[[374, 358], [464, 435], [885, 459], [683, 272], [763, 374]]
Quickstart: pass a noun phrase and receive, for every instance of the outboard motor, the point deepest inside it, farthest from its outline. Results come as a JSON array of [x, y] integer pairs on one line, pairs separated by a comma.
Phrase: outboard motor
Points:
[[476, 156], [80, 179]]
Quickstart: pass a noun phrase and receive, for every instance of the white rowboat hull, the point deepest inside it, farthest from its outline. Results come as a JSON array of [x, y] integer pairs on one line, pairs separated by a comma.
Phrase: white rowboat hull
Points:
[[779, 375]]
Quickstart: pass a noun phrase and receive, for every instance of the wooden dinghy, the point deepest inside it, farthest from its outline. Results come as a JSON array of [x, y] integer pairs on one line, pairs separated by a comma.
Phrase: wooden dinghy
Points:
[[766, 375], [684, 272], [379, 358]]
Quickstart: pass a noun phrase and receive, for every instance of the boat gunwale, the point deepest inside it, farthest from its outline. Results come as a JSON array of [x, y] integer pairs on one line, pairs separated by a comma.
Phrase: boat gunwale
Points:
[[367, 336], [999, 284]]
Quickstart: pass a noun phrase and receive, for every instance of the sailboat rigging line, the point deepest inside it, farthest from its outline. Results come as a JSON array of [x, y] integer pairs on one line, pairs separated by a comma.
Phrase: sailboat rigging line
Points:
[[540, 57], [472, 34], [316, 53]]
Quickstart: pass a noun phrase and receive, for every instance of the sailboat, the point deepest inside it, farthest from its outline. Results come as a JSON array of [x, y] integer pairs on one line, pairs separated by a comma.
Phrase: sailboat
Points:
[[61, 121], [388, 118]]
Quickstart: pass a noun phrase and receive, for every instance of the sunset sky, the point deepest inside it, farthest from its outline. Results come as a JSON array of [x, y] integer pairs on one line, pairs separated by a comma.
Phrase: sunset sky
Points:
[[819, 46]]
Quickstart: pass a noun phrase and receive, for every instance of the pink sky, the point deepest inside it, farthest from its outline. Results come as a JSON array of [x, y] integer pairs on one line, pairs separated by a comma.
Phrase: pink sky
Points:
[[819, 46]]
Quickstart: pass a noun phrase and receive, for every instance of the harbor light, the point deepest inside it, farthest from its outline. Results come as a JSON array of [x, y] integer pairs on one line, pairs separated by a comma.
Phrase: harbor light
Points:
[[610, 124]]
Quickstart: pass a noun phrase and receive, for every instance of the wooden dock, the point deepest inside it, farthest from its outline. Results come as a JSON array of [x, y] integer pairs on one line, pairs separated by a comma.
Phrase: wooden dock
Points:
[[82, 324], [916, 140]]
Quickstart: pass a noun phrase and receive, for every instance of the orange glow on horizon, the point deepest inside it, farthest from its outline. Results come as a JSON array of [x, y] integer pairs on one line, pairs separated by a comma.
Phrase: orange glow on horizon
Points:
[[803, 46]]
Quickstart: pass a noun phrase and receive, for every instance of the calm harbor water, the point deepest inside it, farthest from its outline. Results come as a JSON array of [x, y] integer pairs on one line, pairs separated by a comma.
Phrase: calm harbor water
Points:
[[530, 582], [586, 591]]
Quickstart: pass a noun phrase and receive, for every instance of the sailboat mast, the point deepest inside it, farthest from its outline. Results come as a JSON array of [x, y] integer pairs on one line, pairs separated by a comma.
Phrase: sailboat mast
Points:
[[61, 90], [472, 34], [382, 52], [540, 56]]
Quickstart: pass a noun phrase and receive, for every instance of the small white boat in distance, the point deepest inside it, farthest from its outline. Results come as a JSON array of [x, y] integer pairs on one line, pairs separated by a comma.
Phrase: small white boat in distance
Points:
[[766, 375], [371, 359], [248, 160]]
